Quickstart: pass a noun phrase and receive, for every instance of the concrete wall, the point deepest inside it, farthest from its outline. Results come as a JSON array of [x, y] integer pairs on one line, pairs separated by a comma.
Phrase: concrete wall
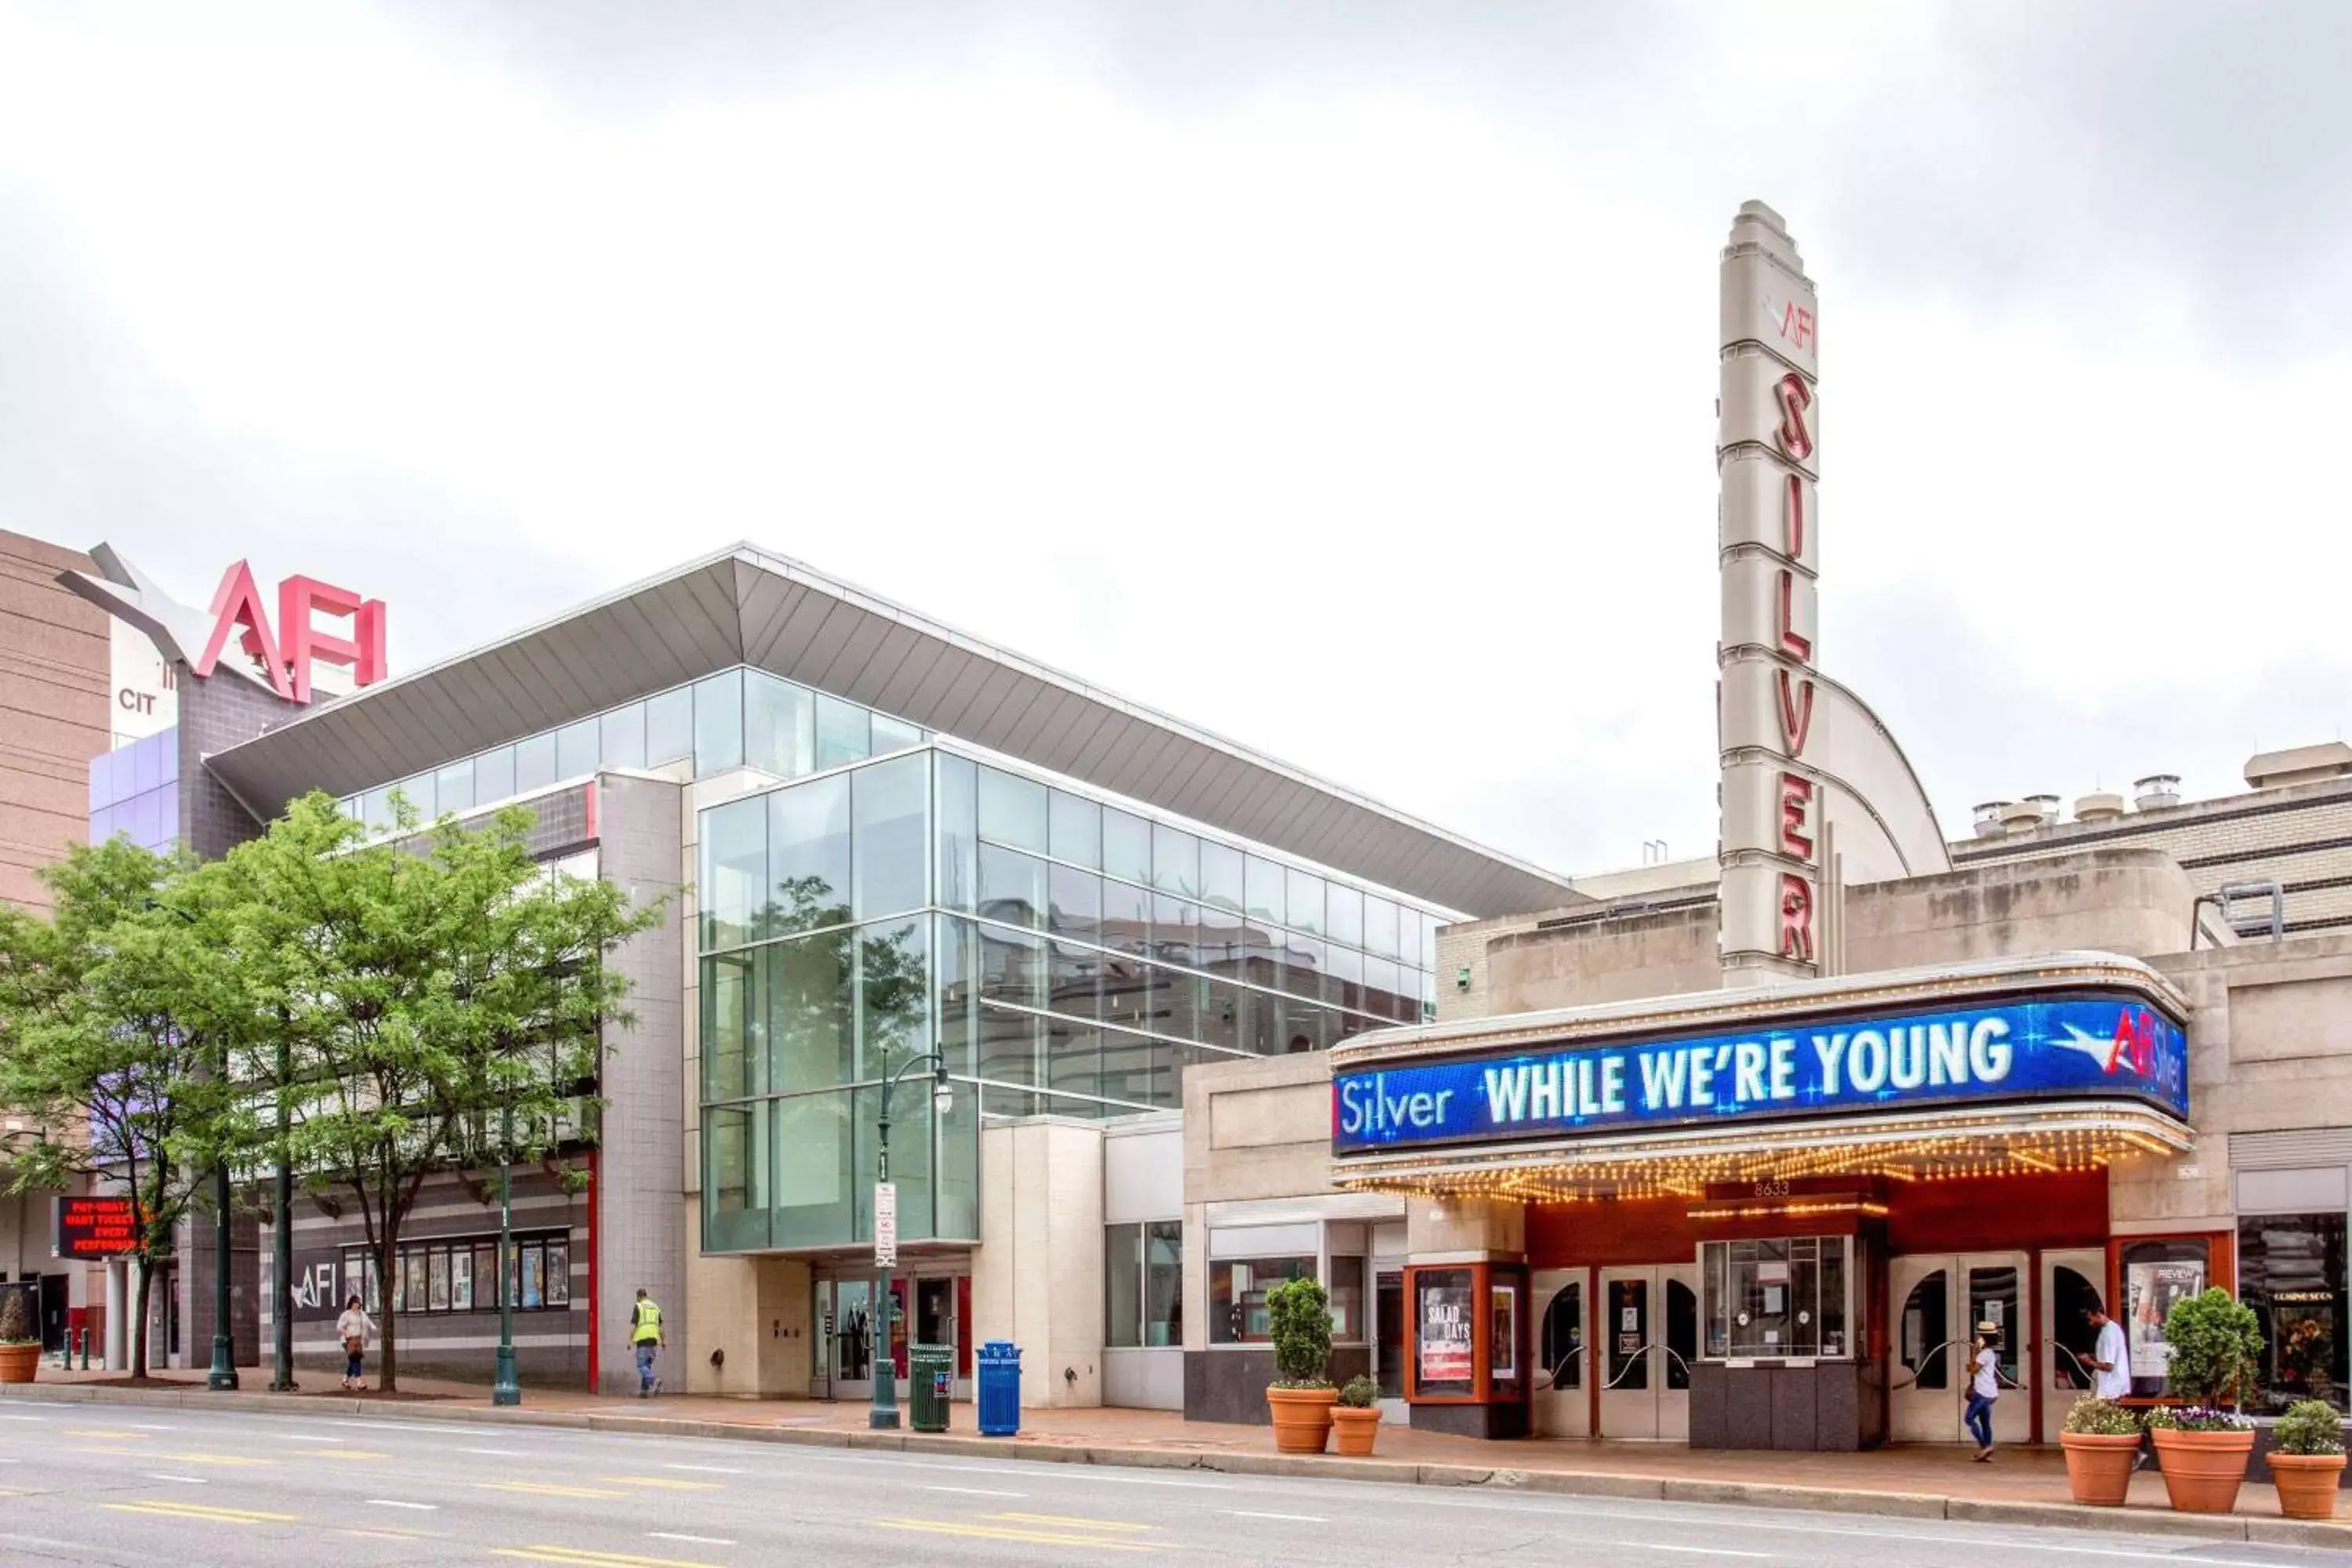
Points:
[[2133, 901], [640, 1239], [754, 1313], [1607, 960], [1038, 1277]]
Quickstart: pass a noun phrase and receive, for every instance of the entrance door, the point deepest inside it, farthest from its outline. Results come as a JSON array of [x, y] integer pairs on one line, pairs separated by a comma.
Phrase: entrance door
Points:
[[1388, 1341], [1563, 1402], [852, 1340], [1644, 1342], [1936, 1303], [2070, 1286]]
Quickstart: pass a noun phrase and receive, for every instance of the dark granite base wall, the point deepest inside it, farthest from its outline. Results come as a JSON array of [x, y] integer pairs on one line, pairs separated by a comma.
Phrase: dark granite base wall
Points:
[[1473, 1420], [1230, 1384], [1828, 1408]]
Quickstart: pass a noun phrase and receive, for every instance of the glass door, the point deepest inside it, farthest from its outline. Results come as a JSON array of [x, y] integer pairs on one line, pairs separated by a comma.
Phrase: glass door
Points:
[[2070, 1289], [1937, 1302], [1642, 1347], [1388, 1336], [853, 1339], [1564, 1400]]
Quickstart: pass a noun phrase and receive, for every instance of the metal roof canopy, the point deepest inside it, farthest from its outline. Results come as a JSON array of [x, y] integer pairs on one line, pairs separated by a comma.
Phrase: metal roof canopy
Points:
[[746, 606]]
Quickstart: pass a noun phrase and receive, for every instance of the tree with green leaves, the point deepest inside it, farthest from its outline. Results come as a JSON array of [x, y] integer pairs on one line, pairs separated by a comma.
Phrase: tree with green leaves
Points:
[[120, 1019], [425, 991]]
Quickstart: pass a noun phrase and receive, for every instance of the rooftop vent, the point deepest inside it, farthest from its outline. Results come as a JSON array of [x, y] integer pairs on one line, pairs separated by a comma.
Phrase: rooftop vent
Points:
[[2045, 803], [2103, 806], [1988, 819], [2022, 816], [2155, 792], [2299, 765]]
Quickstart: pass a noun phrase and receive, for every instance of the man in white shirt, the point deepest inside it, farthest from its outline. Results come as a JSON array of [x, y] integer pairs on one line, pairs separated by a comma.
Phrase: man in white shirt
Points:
[[2110, 1359]]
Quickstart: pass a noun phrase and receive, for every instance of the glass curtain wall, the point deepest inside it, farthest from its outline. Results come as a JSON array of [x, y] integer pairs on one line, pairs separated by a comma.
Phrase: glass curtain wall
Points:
[[1066, 956], [735, 718]]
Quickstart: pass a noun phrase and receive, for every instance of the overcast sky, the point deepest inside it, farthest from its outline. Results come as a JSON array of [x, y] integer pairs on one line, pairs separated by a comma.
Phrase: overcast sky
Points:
[[1337, 376]]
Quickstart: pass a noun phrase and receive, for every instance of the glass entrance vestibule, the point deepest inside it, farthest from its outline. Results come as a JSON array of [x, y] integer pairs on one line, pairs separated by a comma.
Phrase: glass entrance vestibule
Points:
[[851, 1334]]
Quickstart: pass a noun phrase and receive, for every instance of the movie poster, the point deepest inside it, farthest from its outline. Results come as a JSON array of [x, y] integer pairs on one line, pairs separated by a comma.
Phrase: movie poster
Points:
[[1446, 1331], [2149, 1291]]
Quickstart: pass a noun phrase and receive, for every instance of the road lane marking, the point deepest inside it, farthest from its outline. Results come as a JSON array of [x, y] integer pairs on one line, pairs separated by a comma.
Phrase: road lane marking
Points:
[[1694, 1551], [1068, 1522], [580, 1557], [548, 1488], [343, 1454], [972, 1491], [664, 1483], [709, 1469], [696, 1539], [108, 1433], [191, 1510], [308, 1437], [1095, 1474], [185, 1481], [395, 1503], [999, 1532], [213, 1458], [1291, 1518], [501, 1453]]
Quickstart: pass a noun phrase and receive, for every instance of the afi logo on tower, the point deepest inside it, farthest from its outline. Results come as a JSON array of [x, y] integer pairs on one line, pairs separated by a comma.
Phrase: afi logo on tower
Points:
[[238, 602]]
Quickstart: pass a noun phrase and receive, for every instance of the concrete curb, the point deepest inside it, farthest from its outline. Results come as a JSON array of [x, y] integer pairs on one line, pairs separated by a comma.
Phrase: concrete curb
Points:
[[1555, 1483]]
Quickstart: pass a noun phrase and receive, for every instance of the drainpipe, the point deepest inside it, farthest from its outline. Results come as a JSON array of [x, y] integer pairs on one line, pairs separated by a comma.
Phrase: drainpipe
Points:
[[2267, 886]]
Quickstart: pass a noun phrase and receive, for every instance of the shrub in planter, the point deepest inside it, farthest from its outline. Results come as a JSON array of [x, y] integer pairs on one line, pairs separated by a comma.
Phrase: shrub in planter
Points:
[[2306, 1460], [2216, 1344], [20, 1339], [1300, 1397], [1355, 1419], [2101, 1442]]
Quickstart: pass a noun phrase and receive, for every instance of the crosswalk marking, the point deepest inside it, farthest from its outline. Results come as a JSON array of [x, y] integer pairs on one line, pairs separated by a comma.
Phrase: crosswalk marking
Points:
[[999, 1532]]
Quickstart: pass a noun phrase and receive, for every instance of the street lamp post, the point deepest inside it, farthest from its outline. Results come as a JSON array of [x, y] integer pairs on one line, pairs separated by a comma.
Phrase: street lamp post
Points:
[[884, 1415], [223, 1376], [506, 1390], [281, 1254]]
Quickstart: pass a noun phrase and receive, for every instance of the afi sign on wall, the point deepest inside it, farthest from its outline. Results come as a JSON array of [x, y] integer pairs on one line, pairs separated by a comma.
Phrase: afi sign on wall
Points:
[[237, 634], [1767, 461]]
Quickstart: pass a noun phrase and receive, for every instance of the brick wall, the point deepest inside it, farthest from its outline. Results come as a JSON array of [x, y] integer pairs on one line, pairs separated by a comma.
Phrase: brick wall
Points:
[[55, 669], [217, 713]]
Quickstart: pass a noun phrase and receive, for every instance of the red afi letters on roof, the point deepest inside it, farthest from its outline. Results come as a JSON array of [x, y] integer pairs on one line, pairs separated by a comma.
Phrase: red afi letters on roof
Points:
[[239, 604]]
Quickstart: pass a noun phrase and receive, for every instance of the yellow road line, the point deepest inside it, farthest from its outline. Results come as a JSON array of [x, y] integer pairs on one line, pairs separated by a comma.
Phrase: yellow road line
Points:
[[108, 1432], [665, 1484], [341, 1454], [210, 1515], [1037, 1537], [582, 1558], [1063, 1520], [546, 1488], [212, 1458]]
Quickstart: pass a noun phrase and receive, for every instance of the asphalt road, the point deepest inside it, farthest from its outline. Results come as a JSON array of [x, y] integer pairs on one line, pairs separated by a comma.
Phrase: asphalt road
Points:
[[121, 1485]]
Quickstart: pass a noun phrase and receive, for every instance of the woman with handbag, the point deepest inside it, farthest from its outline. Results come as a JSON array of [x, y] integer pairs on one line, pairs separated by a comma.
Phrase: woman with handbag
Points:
[[353, 1328]]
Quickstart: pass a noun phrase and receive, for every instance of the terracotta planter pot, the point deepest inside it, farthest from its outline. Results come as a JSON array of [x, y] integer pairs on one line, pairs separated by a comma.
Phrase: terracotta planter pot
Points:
[[1356, 1429], [2099, 1465], [2306, 1483], [1302, 1419], [19, 1364], [2202, 1470]]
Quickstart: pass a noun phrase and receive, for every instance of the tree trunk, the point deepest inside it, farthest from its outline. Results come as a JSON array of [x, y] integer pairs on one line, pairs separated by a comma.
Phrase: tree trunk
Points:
[[138, 1323], [388, 1359]]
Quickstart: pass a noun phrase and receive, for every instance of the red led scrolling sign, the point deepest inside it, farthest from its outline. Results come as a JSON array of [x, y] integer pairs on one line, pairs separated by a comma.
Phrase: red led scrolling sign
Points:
[[95, 1228]]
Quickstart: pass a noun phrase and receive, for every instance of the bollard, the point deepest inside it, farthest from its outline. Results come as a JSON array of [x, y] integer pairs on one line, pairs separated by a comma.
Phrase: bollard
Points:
[[85, 1349]]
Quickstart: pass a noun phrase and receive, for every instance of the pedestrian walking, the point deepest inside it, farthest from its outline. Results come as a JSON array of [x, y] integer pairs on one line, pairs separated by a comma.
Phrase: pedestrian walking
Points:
[[353, 1328], [646, 1334], [1984, 1386], [2110, 1359]]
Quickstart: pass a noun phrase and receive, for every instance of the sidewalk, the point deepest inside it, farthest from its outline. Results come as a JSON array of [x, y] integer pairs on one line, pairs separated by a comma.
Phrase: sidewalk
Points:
[[2022, 1486]]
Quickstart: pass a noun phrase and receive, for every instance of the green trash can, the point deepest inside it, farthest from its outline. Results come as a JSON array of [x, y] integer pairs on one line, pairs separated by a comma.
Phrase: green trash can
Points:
[[930, 1386]]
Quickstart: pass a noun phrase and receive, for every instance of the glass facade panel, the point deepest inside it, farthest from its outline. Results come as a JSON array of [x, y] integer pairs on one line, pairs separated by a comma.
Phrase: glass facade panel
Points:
[[958, 813], [1123, 1287], [577, 747], [1125, 917], [1379, 927], [1075, 828], [894, 734], [1013, 810], [779, 726], [1265, 887], [1175, 861], [454, 786], [421, 794], [621, 737], [734, 872], [731, 999], [718, 723], [2292, 1272], [534, 763], [808, 855], [494, 775], [1305, 898], [1076, 906], [1174, 929], [1127, 846], [1344, 915], [813, 1017], [888, 835], [669, 726], [1223, 882], [844, 731], [893, 998], [817, 1170], [1012, 885]]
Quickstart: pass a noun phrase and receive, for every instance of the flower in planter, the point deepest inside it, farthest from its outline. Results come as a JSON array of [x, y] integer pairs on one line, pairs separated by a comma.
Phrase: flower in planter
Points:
[[2197, 1418], [2309, 1427], [2093, 1416]]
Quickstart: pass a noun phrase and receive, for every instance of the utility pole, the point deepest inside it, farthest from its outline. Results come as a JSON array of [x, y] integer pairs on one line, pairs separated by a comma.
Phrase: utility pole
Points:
[[506, 1390]]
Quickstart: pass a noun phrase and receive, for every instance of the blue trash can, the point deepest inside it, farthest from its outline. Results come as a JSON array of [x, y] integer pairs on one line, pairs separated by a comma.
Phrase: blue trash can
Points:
[[999, 1370]]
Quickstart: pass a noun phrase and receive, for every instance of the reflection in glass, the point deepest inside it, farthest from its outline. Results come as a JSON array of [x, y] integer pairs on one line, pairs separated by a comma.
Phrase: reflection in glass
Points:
[[734, 880], [843, 733], [814, 1021], [1379, 927], [1012, 885], [888, 837], [1175, 859], [1304, 898], [895, 735], [1075, 828], [957, 810], [1221, 881], [1266, 881], [1127, 846], [1344, 915], [1012, 810], [808, 861]]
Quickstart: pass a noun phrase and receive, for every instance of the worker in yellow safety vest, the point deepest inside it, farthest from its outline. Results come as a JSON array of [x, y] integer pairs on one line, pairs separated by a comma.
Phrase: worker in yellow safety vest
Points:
[[646, 1334]]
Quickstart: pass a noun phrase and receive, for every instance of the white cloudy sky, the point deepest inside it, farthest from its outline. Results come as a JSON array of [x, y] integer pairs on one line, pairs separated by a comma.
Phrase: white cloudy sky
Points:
[[1338, 376]]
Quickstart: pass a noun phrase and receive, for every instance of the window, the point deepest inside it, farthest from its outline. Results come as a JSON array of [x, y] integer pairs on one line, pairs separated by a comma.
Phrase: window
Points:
[[576, 750], [494, 775], [455, 785], [1775, 1299], [1563, 1340], [1127, 846], [441, 1274], [1237, 1288], [845, 733], [1175, 861], [1074, 829], [1304, 897], [669, 726], [2291, 1271], [808, 855], [1013, 810], [2156, 1274], [1143, 1286], [534, 763], [734, 870], [888, 837], [1223, 882], [894, 734], [1347, 1324], [1264, 886], [779, 727], [718, 723], [621, 737]]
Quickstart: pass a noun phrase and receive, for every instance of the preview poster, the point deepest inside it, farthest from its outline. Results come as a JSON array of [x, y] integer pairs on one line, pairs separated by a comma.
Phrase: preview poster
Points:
[[2149, 1291], [1445, 1334]]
